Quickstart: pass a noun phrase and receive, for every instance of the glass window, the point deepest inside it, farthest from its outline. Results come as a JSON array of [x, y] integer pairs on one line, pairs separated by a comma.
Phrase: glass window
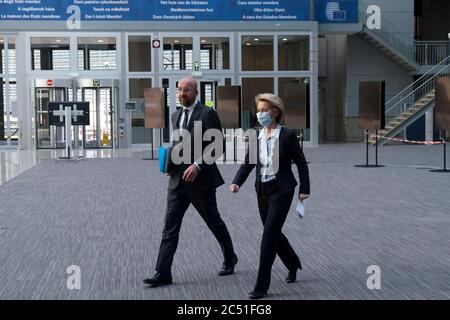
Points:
[[137, 87], [50, 53], [215, 53], [13, 120], [177, 54], [251, 87], [257, 53], [139, 133], [139, 54], [293, 53], [97, 53], [12, 55], [2, 55], [8, 118], [3, 114]]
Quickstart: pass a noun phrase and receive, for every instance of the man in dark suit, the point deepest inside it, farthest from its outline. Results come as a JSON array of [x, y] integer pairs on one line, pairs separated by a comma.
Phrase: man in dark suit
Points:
[[193, 183]]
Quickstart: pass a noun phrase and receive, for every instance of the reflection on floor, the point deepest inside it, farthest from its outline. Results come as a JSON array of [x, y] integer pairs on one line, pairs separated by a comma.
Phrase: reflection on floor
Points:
[[14, 162]]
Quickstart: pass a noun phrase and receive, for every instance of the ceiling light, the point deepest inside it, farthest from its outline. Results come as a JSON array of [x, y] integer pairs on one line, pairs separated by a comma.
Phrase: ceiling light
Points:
[[58, 41], [256, 39], [176, 41], [285, 39], [203, 41], [100, 41], [248, 44]]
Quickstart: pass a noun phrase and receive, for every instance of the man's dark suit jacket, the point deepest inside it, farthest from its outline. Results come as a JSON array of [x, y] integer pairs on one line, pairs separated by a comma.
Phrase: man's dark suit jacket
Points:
[[209, 176], [289, 151]]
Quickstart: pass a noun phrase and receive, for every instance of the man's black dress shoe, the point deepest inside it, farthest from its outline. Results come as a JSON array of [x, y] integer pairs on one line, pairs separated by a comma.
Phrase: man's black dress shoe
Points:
[[256, 294], [292, 275], [159, 279], [228, 269]]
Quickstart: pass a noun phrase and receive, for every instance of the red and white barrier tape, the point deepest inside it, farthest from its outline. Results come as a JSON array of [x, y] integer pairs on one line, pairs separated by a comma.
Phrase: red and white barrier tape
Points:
[[407, 141]]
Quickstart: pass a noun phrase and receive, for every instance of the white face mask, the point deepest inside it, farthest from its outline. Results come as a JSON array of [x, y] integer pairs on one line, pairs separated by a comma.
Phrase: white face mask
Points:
[[264, 119]]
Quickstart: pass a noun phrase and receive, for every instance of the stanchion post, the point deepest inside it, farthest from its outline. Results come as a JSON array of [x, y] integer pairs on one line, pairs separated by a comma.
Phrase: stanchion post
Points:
[[68, 124], [376, 165], [224, 139], [444, 142], [444, 138], [235, 146], [301, 137], [376, 148], [367, 148], [161, 138]]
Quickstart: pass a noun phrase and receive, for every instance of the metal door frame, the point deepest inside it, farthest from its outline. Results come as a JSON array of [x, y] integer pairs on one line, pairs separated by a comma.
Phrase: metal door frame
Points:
[[97, 124], [41, 84], [113, 85]]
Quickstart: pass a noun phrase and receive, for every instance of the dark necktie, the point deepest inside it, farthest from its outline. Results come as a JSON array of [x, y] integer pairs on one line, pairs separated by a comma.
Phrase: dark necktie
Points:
[[186, 118]]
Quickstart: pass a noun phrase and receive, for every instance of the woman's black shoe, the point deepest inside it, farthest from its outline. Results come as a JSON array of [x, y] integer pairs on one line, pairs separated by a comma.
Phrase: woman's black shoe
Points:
[[256, 294], [292, 276]]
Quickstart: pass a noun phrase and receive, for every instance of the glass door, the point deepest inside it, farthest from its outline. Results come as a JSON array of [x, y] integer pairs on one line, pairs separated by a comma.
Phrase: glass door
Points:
[[207, 93], [9, 125], [172, 104], [99, 132], [9, 122], [48, 136]]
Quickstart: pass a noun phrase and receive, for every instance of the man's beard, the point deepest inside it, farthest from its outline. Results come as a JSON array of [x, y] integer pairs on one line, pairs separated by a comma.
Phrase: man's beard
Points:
[[186, 102]]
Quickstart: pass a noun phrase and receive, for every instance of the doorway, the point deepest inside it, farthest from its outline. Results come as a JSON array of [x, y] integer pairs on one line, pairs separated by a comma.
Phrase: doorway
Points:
[[206, 95], [99, 132], [101, 95], [50, 137]]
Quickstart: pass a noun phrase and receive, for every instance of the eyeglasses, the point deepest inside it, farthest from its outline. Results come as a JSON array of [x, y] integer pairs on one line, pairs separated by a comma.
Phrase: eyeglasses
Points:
[[187, 90]]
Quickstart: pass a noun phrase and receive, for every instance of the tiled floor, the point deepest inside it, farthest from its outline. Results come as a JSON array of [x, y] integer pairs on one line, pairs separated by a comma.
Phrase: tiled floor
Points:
[[106, 215]]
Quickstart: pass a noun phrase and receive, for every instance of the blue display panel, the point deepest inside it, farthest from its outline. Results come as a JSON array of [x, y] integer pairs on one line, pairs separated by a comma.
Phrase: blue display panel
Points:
[[156, 10], [336, 11]]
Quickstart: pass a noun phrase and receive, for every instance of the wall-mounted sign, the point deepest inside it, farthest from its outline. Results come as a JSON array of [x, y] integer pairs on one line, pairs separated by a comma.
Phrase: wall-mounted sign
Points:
[[157, 10], [96, 82], [130, 105], [156, 44], [336, 11], [50, 83]]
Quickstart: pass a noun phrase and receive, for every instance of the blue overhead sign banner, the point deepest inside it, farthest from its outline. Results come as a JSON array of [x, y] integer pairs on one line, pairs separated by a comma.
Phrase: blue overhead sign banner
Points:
[[155, 10], [334, 11]]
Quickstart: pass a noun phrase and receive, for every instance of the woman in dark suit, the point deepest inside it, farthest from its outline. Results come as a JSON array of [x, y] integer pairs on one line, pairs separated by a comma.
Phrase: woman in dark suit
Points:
[[275, 186]]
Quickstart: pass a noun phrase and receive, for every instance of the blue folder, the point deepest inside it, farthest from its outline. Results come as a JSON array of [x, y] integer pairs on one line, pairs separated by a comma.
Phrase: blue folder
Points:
[[164, 159]]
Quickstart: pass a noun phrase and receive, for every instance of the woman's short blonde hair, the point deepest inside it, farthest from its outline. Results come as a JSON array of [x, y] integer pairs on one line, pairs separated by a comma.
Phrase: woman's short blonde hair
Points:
[[274, 101]]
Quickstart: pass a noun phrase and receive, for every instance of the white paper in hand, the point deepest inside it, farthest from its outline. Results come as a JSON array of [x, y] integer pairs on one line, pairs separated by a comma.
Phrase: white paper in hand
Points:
[[300, 209]]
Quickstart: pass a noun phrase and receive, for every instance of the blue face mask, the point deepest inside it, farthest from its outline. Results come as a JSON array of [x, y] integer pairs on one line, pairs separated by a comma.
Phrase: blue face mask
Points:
[[264, 119]]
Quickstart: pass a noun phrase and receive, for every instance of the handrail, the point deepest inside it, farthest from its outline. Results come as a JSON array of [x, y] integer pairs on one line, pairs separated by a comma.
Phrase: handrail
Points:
[[419, 52], [416, 53], [12, 135], [416, 91], [431, 71], [431, 52], [431, 41]]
